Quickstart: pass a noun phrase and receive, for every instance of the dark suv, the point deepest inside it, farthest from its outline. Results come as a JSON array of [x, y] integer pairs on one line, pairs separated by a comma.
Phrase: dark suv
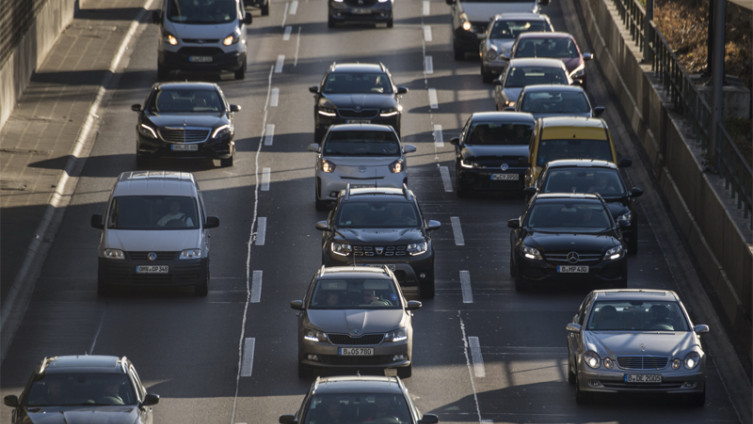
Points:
[[356, 11], [382, 226], [356, 93]]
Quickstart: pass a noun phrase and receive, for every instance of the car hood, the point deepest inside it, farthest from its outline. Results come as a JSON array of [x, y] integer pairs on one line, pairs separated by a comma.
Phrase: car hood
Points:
[[381, 235], [152, 240], [502, 44], [80, 415], [572, 63], [187, 119], [362, 100], [202, 31], [356, 321], [617, 206], [485, 11], [658, 343], [478, 150], [512, 93], [550, 242]]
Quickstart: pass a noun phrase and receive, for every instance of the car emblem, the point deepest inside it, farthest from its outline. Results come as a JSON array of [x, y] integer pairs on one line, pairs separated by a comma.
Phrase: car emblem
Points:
[[362, 169], [185, 124], [152, 256], [379, 250], [358, 108], [504, 167], [355, 332], [643, 347], [572, 257]]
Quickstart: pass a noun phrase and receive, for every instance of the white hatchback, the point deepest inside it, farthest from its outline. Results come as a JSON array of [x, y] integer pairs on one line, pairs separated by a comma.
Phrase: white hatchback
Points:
[[362, 155]]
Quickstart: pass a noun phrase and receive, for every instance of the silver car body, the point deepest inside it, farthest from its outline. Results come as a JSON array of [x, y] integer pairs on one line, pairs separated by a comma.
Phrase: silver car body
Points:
[[556, 100], [635, 340], [523, 72], [495, 47]]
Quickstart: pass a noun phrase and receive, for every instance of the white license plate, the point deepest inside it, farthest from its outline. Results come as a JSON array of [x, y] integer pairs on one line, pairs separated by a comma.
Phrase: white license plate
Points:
[[152, 269], [360, 11], [573, 269], [200, 59], [642, 378], [185, 147], [505, 177], [357, 121], [355, 351]]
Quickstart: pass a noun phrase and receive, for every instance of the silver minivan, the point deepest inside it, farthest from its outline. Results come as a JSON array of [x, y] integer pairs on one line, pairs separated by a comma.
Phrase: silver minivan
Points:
[[154, 233], [202, 35]]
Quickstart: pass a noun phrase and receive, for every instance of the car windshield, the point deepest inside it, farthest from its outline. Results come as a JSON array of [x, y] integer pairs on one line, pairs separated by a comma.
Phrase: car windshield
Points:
[[504, 29], [555, 102], [572, 149], [498, 134], [186, 101], [354, 293], [361, 143], [153, 212], [616, 315], [201, 11], [356, 408], [357, 82], [568, 216], [604, 181], [520, 76], [377, 214], [556, 47], [80, 389]]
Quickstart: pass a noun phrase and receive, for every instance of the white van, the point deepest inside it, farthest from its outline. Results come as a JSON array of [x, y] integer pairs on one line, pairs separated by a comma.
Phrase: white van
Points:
[[202, 35], [154, 233]]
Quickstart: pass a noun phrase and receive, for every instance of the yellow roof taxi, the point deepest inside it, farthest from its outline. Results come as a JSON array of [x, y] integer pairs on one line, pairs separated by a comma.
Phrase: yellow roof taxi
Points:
[[569, 137]]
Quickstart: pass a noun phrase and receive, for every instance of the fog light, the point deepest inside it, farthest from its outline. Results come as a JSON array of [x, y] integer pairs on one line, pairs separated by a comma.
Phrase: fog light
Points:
[[396, 358], [312, 357], [595, 384], [422, 275], [688, 385]]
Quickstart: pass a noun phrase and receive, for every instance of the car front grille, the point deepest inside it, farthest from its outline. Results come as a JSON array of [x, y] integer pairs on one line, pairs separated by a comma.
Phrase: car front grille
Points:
[[161, 256], [201, 40], [389, 251], [358, 113], [583, 258], [200, 51], [497, 161], [184, 134], [345, 339], [360, 3], [642, 362]]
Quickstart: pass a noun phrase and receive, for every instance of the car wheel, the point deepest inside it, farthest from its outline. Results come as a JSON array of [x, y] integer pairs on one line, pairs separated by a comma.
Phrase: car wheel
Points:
[[241, 73], [321, 205], [162, 73], [304, 371], [405, 372], [581, 397], [265, 9], [426, 291], [226, 162], [202, 289], [458, 52]]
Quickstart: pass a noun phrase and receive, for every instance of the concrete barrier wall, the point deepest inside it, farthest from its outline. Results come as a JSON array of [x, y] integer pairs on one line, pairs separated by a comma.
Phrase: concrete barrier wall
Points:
[[697, 200], [16, 72]]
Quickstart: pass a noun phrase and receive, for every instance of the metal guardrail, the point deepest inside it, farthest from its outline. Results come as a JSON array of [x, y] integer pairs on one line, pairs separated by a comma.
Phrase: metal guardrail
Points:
[[728, 162]]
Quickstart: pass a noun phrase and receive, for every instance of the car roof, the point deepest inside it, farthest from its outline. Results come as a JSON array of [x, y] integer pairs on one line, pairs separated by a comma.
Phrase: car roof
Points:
[[503, 117], [521, 15], [546, 62], [353, 271], [581, 163], [635, 294], [361, 127], [187, 86], [544, 34], [357, 384], [385, 193], [538, 88], [83, 363], [145, 183], [356, 67], [576, 127], [571, 196]]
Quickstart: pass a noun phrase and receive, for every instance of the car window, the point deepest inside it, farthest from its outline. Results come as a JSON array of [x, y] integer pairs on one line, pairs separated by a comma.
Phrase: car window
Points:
[[637, 316], [589, 217], [80, 389], [153, 212], [357, 408], [558, 48], [495, 133], [555, 102], [381, 214], [510, 29], [361, 143], [520, 76], [354, 294], [572, 149], [357, 82], [606, 182], [187, 101], [201, 11]]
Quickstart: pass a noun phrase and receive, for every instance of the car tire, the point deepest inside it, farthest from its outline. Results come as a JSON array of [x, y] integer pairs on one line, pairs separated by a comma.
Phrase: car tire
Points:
[[305, 371], [241, 73], [226, 163], [581, 397], [426, 290], [405, 372], [163, 73], [265, 9], [458, 52], [202, 289], [321, 205]]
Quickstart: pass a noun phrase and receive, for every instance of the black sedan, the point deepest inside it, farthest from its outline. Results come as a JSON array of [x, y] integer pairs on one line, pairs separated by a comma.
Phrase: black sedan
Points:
[[595, 176], [566, 238], [83, 389], [356, 93], [185, 120], [492, 152]]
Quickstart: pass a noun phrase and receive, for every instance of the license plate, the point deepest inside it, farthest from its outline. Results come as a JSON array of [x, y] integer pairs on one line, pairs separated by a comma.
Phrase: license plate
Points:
[[185, 147], [573, 269], [200, 59], [152, 269], [355, 351], [642, 378], [360, 11], [505, 177], [358, 121]]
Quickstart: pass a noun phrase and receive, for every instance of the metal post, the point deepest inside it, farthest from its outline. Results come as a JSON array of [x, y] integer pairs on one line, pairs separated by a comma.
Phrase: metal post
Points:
[[647, 51], [717, 83]]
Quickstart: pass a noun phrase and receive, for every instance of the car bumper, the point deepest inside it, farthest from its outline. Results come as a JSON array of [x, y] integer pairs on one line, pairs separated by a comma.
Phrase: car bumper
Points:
[[322, 122], [602, 381], [325, 354], [608, 273], [494, 67], [213, 148], [413, 273], [491, 179], [181, 273], [185, 59], [331, 184]]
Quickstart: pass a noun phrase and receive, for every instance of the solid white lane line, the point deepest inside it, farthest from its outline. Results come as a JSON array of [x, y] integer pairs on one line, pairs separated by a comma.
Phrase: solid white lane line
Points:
[[248, 356], [444, 172], [279, 64], [286, 34], [427, 8], [261, 231], [465, 286], [256, 287], [428, 65], [427, 33], [269, 134], [293, 7], [438, 136], [457, 231], [297, 47], [274, 99], [265, 176], [433, 102], [469, 365], [476, 359]]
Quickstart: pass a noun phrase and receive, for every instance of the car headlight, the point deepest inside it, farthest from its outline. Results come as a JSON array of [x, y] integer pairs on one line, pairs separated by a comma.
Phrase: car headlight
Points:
[[190, 254], [614, 253], [327, 166], [692, 360], [592, 359], [608, 363], [395, 336], [509, 103], [578, 72], [491, 54], [329, 112], [466, 24], [171, 39], [397, 166], [383, 1], [532, 253], [625, 219], [147, 131], [314, 335], [415, 249], [388, 112], [221, 131], [231, 39], [467, 162], [342, 248], [338, 1], [113, 254]]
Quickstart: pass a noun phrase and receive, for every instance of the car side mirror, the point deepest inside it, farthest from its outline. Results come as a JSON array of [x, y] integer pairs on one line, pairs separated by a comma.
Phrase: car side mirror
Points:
[[11, 400], [212, 222], [402, 90], [314, 89], [409, 148], [530, 190], [513, 223], [96, 221], [433, 225], [588, 56], [455, 141], [314, 147], [296, 304], [429, 419], [625, 163], [136, 108], [544, 2], [287, 419], [322, 226], [509, 109], [150, 399], [247, 18], [157, 16], [414, 304], [573, 327], [598, 111], [698, 329], [235, 108], [636, 192]]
